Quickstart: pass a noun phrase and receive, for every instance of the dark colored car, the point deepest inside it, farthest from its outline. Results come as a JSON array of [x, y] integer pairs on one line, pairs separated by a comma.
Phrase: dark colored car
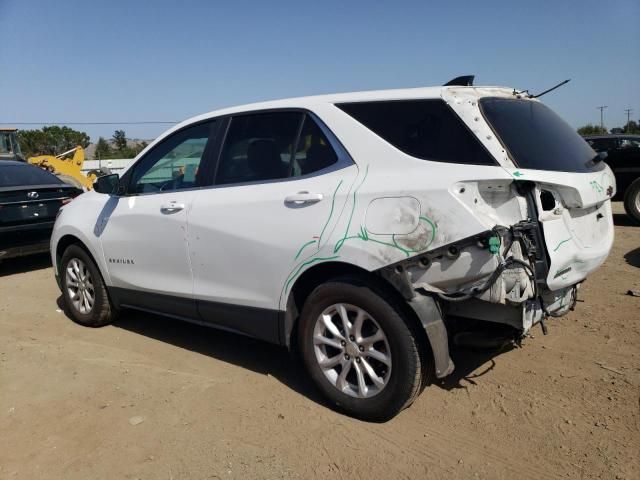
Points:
[[623, 156], [29, 202]]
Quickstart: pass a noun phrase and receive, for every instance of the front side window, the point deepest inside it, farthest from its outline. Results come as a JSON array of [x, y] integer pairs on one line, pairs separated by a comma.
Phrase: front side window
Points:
[[174, 164], [536, 137], [425, 129]]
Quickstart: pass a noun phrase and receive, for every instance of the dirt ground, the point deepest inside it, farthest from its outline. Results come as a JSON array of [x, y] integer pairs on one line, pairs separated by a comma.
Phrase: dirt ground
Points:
[[153, 398]]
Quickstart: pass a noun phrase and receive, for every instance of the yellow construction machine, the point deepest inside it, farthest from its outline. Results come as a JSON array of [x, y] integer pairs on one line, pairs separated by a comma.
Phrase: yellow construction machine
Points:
[[69, 170]]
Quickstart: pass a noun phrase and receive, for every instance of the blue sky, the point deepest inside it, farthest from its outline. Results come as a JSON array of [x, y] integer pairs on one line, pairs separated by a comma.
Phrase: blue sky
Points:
[[92, 61]]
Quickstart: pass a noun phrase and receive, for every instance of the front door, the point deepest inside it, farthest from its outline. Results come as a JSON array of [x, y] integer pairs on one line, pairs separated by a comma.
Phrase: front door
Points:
[[144, 237]]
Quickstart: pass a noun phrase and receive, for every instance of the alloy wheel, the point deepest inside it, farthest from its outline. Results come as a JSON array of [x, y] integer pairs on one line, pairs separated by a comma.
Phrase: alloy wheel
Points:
[[352, 350], [80, 286]]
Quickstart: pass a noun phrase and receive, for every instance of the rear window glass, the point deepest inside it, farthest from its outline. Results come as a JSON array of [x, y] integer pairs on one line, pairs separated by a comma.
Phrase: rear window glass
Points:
[[425, 129], [536, 137], [18, 175]]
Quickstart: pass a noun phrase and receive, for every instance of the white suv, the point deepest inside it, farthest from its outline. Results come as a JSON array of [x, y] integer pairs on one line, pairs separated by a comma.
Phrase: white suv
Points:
[[354, 226]]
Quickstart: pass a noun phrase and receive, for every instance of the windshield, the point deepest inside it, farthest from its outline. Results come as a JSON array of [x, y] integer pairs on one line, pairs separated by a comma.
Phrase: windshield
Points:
[[9, 144], [17, 175], [536, 137]]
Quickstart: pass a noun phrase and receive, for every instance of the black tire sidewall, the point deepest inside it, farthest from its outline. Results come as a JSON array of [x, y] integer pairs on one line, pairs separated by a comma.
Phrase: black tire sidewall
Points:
[[95, 317], [630, 201], [405, 357]]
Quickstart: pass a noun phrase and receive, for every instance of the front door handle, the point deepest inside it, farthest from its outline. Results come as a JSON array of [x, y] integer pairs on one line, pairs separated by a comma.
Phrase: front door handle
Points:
[[171, 207], [304, 198]]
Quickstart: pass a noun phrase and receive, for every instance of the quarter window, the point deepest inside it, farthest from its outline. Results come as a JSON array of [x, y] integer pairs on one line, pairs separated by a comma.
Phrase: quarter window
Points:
[[314, 151], [174, 164], [425, 129]]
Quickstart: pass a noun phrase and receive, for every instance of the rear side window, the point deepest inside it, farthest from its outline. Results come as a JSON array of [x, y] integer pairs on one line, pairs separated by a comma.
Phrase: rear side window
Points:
[[272, 146], [425, 129], [258, 147], [18, 175]]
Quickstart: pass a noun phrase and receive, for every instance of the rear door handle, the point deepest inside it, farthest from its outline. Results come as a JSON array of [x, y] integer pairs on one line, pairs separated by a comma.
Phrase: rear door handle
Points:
[[304, 198], [171, 207]]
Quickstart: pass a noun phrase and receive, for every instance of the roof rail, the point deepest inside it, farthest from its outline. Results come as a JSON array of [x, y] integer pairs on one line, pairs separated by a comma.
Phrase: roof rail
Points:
[[462, 81]]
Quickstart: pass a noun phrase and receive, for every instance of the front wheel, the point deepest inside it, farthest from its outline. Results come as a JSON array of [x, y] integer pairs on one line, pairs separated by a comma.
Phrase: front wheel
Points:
[[359, 349], [84, 292]]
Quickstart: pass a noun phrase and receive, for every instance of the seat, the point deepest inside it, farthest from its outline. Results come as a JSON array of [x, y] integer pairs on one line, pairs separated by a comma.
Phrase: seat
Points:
[[264, 160]]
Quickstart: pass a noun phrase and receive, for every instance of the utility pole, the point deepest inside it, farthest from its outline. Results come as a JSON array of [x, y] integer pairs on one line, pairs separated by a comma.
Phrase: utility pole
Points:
[[601, 108], [628, 112]]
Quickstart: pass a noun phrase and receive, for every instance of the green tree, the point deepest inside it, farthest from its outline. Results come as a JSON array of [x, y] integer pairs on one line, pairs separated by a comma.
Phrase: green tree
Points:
[[631, 127], [590, 129], [103, 149], [52, 140], [120, 140]]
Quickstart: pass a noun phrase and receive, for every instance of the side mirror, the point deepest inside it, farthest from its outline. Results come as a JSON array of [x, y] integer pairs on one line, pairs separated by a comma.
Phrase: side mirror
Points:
[[107, 184]]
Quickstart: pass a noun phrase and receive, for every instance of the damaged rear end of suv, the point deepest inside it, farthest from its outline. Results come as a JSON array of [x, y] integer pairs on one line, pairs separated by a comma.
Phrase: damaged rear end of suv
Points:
[[483, 206]]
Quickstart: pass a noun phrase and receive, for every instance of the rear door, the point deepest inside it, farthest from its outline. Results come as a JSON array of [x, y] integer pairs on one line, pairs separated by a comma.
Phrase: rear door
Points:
[[272, 206], [144, 236]]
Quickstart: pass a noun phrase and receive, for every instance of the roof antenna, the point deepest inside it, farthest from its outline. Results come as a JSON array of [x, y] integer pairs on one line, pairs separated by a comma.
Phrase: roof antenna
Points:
[[550, 89], [463, 81]]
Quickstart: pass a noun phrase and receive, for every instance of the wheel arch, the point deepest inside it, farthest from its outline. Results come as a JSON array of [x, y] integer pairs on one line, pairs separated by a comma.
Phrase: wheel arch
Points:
[[70, 239], [323, 272]]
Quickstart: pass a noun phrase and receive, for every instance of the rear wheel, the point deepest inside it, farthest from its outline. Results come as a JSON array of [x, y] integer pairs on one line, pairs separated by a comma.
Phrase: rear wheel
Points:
[[632, 201], [359, 350], [83, 289]]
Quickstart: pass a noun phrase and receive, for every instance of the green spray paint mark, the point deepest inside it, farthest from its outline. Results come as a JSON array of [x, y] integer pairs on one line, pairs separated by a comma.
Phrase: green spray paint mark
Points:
[[596, 186], [494, 245], [362, 234], [308, 262], [518, 173], [560, 244], [434, 229], [311, 242], [340, 242], [333, 200]]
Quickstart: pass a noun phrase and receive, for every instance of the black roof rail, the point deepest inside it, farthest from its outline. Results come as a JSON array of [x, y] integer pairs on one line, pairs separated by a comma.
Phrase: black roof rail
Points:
[[462, 81]]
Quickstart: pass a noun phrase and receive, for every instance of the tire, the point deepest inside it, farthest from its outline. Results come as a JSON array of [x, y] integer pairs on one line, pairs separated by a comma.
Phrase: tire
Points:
[[398, 382], [632, 201], [76, 262]]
